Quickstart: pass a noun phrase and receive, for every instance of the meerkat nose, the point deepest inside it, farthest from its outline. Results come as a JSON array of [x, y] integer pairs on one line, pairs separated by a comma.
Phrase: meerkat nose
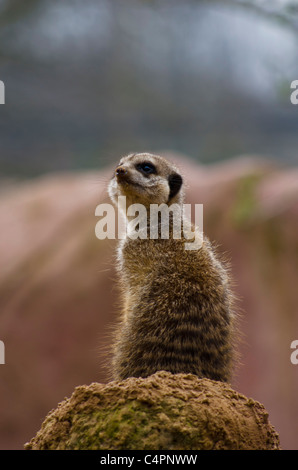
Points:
[[120, 171]]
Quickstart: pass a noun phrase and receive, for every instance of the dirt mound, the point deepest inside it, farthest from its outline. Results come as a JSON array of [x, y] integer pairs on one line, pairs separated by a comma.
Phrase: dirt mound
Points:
[[163, 411]]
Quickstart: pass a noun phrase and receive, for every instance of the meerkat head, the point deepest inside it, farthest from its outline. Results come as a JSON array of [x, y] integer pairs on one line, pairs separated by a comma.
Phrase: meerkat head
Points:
[[146, 179]]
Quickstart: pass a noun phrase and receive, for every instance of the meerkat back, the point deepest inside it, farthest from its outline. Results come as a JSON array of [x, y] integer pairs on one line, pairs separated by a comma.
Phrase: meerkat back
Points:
[[177, 306]]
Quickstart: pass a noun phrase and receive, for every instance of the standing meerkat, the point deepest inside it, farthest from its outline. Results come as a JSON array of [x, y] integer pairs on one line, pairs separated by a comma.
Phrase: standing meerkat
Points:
[[177, 305]]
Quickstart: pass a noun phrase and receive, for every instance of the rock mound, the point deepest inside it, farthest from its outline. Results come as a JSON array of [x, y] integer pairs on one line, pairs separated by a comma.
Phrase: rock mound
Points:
[[161, 412]]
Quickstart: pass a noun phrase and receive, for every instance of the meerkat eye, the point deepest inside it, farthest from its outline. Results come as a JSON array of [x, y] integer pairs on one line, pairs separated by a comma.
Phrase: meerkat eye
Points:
[[146, 167]]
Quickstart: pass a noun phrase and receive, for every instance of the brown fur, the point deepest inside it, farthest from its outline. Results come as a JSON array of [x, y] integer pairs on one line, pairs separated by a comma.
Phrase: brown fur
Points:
[[177, 305]]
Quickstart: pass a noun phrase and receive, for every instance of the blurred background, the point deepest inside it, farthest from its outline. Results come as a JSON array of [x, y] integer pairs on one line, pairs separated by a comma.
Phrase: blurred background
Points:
[[206, 84]]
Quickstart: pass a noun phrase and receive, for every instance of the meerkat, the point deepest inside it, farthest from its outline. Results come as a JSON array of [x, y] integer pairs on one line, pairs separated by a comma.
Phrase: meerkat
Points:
[[177, 306]]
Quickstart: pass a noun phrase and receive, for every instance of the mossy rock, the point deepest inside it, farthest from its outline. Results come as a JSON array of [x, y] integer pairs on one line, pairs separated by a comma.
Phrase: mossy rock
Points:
[[161, 412]]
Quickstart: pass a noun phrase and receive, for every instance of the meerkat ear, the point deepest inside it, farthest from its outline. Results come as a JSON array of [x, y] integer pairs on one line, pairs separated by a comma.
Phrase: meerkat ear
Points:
[[175, 183]]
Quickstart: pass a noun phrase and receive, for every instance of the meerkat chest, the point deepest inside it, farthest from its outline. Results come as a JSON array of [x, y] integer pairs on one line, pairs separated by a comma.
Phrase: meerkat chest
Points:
[[135, 257], [140, 259]]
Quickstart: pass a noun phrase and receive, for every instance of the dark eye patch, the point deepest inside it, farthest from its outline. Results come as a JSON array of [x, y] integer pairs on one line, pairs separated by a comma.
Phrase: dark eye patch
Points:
[[147, 168]]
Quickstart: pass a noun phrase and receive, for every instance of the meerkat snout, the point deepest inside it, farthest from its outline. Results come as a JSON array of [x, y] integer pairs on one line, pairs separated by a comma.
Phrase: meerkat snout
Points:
[[120, 171]]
